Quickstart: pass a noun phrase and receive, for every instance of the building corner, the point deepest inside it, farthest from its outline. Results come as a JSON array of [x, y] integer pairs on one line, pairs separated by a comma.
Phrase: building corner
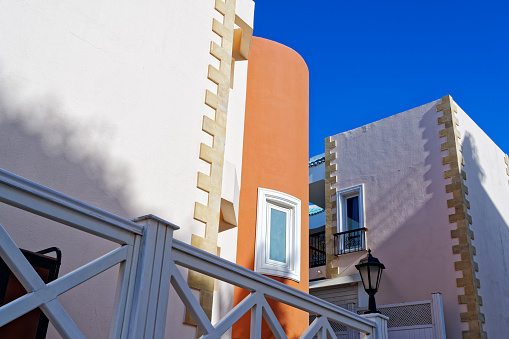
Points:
[[467, 265], [330, 204]]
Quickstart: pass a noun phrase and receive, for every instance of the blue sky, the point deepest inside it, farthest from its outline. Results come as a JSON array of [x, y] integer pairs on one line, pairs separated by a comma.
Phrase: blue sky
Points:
[[372, 59]]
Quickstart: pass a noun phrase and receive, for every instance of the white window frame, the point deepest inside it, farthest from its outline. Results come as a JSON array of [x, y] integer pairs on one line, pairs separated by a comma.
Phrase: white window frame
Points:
[[341, 197], [268, 199]]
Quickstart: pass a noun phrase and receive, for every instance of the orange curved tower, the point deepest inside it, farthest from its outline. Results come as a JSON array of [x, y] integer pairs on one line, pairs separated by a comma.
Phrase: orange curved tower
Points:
[[275, 159]]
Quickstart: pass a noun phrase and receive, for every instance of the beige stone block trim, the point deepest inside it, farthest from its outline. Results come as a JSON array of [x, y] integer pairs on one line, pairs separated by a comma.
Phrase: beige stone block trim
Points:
[[467, 266], [242, 40], [330, 218], [506, 159], [211, 183], [205, 284]]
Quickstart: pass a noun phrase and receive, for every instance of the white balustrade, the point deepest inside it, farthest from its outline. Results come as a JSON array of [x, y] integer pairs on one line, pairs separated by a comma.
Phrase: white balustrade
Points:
[[148, 256]]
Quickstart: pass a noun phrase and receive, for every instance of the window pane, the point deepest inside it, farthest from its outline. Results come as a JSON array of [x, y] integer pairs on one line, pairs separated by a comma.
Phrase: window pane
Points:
[[352, 213], [277, 249]]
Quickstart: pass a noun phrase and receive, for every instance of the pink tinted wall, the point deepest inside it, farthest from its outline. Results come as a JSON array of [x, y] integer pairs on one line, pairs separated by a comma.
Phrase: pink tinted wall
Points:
[[399, 161]]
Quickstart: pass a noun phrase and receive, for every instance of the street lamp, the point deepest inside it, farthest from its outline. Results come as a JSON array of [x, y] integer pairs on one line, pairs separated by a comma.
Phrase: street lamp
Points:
[[370, 269]]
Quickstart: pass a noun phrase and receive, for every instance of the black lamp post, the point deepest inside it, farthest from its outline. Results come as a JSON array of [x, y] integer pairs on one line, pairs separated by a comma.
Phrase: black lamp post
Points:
[[370, 269]]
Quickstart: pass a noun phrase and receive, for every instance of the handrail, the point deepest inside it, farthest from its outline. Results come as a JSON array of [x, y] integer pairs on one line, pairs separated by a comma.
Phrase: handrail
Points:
[[209, 264], [147, 264], [352, 231], [350, 241], [38, 199]]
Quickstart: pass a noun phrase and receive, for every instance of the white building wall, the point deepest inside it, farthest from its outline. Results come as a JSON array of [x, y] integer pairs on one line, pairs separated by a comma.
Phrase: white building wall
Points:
[[104, 101], [488, 188], [399, 161], [317, 184], [317, 220], [346, 295]]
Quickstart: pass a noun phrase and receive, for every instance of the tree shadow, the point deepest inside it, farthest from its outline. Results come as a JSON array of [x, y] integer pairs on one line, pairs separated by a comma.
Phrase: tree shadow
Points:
[[56, 152], [37, 142]]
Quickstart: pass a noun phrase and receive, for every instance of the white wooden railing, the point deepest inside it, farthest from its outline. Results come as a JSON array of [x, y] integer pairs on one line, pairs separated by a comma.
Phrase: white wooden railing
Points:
[[42, 201], [419, 319], [148, 256]]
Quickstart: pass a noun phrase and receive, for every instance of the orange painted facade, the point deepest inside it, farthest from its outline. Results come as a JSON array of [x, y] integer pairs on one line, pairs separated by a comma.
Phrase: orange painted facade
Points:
[[275, 156]]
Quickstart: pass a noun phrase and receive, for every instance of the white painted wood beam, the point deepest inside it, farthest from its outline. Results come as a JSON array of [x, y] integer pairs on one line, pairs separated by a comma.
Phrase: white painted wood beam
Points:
[[233, 316], [144, 273], [155, 278], [189, 300], [61, 320], [18, 264], [313, 329], [193, 258], [124, 291], [256, 319], [272, 321], [51, 291], [327, 331], [164, 288], [40, 200]]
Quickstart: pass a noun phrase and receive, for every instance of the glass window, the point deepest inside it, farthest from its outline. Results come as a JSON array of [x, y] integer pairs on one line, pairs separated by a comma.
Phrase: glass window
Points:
[[350, 217], [277, 250], [350, 208], [278, 231], [352, 213]]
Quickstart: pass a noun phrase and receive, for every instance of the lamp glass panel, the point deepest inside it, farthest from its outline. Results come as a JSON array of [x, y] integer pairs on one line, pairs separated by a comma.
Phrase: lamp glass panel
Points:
[[374, 273], [379, 277], [364, 276]]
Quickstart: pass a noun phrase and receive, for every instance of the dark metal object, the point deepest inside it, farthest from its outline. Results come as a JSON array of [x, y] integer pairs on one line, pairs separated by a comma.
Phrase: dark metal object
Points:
[[34, 324], [350, 241], [370, 269], [317, 249]]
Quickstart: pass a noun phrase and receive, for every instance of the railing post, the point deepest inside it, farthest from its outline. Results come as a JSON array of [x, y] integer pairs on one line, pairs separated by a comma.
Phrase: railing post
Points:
[[437, 312], [350, 333], [150, 300], [380, 332]]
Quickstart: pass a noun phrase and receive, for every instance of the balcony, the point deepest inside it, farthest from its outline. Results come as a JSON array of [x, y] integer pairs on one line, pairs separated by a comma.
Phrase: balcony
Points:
[[317, 249], [350, 241]]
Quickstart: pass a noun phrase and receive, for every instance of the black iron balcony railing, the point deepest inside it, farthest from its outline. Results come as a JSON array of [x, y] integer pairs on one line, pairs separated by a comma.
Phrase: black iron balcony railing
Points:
[[317, 249], [350, 241]]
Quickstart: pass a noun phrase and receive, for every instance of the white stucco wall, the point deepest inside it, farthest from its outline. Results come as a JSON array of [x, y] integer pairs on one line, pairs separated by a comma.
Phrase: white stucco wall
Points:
[[399, 161], [316, 172], [317, 184], [488, 188], [104, 102], [317, 220]]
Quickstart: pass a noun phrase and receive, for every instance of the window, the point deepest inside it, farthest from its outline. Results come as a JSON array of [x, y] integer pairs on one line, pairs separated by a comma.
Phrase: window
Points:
[[352, 213], [350, 216], [278, 227], [350, 208]]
